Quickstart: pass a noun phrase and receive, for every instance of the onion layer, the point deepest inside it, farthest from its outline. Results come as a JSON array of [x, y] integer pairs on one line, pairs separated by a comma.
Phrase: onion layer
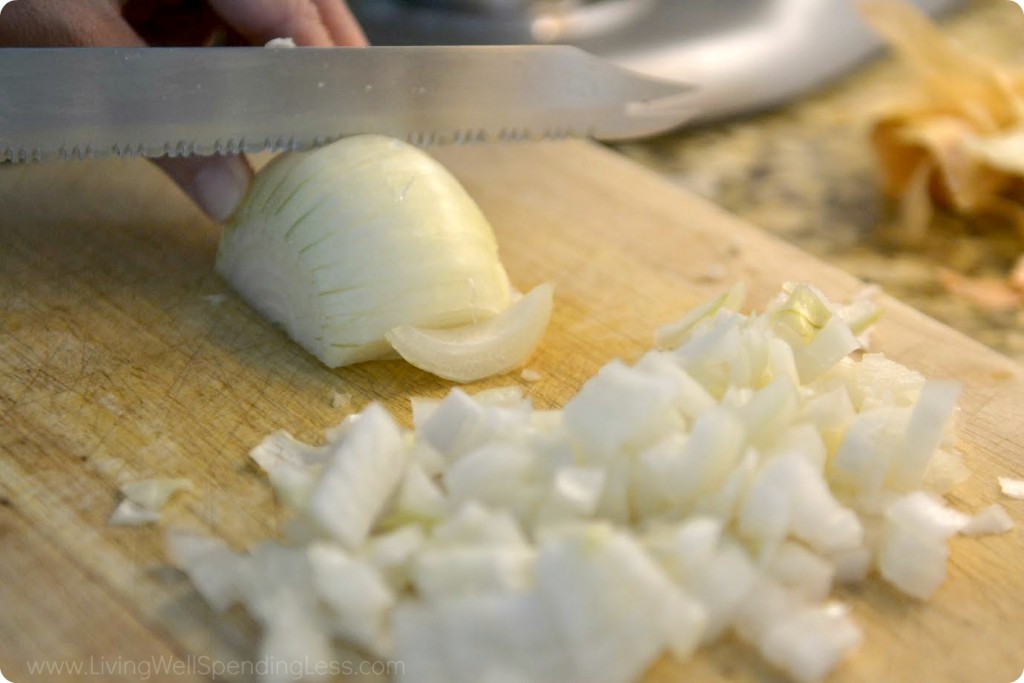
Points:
[[479, 350]]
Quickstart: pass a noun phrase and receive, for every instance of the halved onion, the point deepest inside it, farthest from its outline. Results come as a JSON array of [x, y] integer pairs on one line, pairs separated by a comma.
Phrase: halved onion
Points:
[[341, 244]]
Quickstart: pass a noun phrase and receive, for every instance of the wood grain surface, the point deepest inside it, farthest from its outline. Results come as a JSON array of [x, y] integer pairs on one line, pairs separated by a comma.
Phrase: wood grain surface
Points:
[[123, 356]]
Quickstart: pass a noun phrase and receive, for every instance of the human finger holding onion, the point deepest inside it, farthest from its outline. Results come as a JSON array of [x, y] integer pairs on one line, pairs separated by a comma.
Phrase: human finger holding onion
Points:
[[217, 183], [365, 249]]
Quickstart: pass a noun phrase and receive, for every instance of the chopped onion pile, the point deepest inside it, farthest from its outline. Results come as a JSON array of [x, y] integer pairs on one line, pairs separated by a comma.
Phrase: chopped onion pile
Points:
[[369, 246], [720, 485]]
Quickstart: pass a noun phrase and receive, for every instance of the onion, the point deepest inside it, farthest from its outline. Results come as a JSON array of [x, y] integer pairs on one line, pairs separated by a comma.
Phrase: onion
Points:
[[144, 499], [1012, 488], [367, 236], [210, 564], [478, 350], [991, 520], [356, 593], [721, 486], [128, 513], [359, 478], [291, 466]]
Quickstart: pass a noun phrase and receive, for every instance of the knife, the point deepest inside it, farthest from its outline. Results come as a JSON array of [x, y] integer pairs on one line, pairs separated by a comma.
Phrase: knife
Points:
[[68, 103]]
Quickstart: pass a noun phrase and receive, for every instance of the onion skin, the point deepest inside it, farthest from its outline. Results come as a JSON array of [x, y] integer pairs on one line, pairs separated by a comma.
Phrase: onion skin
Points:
[[343, 243]]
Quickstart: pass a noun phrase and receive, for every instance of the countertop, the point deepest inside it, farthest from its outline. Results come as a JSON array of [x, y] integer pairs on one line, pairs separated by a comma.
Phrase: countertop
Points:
[[806, 173]]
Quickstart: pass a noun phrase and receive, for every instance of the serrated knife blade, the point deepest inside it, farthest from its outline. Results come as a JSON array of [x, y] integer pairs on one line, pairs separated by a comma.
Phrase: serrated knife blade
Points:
[[66, 103]]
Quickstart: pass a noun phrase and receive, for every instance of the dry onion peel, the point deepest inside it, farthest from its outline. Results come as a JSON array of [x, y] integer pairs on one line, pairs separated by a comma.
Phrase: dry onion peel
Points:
[[350, 241], [957, 140]]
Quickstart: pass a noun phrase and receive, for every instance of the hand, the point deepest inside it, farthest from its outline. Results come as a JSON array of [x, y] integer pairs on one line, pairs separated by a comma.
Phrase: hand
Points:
[[218, 183]]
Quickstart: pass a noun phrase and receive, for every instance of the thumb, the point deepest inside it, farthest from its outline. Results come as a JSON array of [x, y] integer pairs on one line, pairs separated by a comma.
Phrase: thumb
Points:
[[217, 184]]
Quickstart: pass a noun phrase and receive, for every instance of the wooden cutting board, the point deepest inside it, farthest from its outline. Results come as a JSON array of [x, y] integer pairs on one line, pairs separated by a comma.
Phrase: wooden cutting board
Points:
[[123, 356]]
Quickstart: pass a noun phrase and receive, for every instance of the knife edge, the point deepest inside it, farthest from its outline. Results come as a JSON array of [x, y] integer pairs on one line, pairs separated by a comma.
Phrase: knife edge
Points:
[[156, 102]]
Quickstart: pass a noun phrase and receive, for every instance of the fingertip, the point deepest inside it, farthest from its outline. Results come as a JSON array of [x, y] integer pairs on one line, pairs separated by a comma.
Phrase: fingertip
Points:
[[219, 185]]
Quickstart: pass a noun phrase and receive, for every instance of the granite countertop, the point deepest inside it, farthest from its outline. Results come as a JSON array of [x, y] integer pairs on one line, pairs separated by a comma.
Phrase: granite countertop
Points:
[[807, 173]]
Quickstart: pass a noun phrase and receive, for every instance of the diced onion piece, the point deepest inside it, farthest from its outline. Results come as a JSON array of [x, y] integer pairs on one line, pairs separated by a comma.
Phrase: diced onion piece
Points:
[[621, 407], [707, 456], [209, 563], [803, 312], [475, 525], [926, 516], [530, 375], [478, 350], [153, 494], [291, 466], [359, 478], [914, 564], [1012, 488], [418, 500], [475, 638], [721, 586], [575, 492], [802, 571], [130, 513], [491, 474], [991, 520], [340, 401], [392, 553], [768, 604], [853, 566], [808, 644], [275, 582], [422, 408], [293, 640], [862, 313], [926, 428], [584, 576], [502, 397], [674, 334], [448, 572], [144, 499], [356, 594], [913, 552], [945, 471]]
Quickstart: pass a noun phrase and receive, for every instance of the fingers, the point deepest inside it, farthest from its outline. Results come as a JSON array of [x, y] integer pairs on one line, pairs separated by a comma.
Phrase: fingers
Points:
[[340, 23], [217, 184], [308, 22], [59, 23], [172, 23]]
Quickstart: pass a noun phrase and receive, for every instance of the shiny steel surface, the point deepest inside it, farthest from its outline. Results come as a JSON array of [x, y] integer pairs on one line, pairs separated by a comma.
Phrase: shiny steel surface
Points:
[[96, 102], [745, 54]]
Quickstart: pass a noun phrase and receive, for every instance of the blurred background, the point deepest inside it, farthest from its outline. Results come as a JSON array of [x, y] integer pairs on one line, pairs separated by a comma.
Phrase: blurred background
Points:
[[745, 54], [788, 92]]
